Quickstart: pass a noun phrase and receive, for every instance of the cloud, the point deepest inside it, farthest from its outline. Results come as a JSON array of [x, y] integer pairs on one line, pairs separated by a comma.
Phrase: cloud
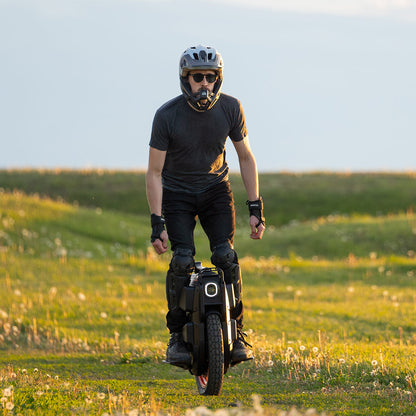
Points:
[[403, 9], [398, 9]]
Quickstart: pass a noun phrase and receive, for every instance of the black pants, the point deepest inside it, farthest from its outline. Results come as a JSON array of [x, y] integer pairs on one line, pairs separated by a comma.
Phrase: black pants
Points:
[[215, 210]]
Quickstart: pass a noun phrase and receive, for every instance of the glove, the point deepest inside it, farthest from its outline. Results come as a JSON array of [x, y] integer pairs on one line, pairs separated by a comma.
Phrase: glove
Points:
[[256, 209], [158, 225]]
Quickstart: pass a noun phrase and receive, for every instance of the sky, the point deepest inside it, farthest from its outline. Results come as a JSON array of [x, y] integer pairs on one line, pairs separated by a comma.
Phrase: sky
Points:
[[326, 85]]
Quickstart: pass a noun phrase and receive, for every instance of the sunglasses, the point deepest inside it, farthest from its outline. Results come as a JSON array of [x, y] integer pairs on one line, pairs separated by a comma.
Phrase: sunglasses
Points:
[[209, 77]]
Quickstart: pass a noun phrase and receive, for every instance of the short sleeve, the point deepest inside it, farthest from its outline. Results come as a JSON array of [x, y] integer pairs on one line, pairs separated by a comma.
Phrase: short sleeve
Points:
[[160, 134], [238, 129]]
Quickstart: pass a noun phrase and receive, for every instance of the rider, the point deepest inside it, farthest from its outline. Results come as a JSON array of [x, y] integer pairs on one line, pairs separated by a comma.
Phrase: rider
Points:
[[187, 177]]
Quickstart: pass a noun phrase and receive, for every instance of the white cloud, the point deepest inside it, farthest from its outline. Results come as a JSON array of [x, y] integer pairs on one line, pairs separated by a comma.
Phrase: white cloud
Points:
[[405, 9], [399, 9]]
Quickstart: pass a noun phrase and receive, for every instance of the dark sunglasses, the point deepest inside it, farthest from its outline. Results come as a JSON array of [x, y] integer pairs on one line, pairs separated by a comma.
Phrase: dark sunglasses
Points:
[[209, 77]]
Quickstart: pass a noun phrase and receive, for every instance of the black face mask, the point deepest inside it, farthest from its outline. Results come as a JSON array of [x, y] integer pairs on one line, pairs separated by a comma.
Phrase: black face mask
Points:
[[203, 99]]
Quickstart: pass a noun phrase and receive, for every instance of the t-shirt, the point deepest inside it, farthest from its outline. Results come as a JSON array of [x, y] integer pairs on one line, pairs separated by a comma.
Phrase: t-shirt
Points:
[[195, 142]]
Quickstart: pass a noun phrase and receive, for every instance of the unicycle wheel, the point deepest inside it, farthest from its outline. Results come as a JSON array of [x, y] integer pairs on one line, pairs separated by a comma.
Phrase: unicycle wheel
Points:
[[210, 383]]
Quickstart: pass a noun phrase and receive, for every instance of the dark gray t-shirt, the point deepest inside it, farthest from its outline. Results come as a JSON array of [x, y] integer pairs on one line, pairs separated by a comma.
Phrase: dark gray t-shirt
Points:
[[195, 142]]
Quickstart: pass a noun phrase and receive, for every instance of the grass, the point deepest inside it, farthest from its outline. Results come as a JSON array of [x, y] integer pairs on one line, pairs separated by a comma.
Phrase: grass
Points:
[[329, 306]]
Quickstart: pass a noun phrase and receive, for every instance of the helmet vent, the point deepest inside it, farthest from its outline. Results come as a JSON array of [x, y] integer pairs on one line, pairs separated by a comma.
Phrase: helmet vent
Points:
[[210, 56], [196, 56]]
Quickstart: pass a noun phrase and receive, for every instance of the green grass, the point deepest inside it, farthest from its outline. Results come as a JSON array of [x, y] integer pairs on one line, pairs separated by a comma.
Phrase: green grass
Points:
[[287, 197], [329, 307]]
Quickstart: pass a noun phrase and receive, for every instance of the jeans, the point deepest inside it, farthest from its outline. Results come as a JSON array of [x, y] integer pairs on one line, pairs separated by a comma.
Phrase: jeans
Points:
[[215, 210]]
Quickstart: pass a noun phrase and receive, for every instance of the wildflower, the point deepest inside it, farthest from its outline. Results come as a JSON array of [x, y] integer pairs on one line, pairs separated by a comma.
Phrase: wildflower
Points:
[[81, 296], [103, 315], [374, 363], [302, 348], [315, 350], [9, 406], [53, 291], [341, 361], [8, 392], [101, 396], [351, 289], [289, 350]]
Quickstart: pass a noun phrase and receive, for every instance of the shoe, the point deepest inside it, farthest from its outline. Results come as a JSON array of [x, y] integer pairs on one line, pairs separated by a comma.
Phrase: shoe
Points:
[[241, 349], [177, 353]]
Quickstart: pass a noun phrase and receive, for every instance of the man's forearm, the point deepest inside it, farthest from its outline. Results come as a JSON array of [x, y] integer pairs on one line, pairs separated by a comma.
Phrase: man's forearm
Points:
[[248, 169], [154, 193]]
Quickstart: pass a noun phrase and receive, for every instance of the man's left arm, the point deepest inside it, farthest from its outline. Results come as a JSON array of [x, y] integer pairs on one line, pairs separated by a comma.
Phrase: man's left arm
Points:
[[248, 169]]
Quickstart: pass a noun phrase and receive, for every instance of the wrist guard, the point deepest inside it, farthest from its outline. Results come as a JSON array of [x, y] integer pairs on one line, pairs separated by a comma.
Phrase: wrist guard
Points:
[[158, 225], [256, 209]]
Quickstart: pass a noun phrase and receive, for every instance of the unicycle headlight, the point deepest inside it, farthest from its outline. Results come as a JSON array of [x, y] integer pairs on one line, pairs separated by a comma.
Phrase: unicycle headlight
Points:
[[211, 289]]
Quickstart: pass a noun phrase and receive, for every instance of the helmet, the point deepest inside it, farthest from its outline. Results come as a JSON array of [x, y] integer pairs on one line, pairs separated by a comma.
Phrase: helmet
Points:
[[200, 57]]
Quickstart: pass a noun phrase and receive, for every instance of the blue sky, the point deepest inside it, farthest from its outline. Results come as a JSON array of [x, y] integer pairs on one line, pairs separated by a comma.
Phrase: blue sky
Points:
[[325, 85]]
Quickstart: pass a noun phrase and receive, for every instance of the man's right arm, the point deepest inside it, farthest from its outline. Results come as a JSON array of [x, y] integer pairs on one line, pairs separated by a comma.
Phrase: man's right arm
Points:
[[154, 192]]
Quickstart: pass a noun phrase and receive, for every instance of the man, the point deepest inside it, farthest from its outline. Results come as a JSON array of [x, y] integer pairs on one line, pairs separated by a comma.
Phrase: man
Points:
[[187, 178]]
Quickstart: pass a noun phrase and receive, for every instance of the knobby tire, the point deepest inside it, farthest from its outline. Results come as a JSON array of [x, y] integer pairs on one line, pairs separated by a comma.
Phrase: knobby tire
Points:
[[210, 384]]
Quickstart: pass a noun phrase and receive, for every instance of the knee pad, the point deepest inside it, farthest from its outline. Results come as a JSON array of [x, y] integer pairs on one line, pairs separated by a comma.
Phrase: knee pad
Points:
[[178, 276], [226, 259], [182, 263], [224, 256]]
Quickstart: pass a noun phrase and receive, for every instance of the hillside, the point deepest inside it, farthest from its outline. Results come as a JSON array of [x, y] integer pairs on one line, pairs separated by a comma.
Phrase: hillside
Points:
[[41, 225], [287, 197]]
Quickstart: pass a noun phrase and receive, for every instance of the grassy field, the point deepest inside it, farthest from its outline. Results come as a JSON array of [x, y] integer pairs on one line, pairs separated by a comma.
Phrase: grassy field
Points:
[[329, 297]]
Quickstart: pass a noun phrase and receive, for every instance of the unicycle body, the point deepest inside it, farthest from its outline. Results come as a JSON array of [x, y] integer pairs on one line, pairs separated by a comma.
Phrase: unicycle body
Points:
[[210, 332]]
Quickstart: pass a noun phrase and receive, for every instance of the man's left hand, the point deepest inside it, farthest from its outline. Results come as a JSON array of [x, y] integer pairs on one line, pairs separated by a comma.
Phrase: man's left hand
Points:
[[256, 230]]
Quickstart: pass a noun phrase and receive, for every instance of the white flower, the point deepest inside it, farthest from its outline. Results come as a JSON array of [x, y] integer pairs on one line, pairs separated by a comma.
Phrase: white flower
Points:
[[8, 392]]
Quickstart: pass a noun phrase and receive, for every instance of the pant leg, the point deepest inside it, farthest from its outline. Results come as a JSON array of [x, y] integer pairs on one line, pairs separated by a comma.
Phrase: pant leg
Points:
[[217, 217], [180, 215], [216, 214], [180, 211]]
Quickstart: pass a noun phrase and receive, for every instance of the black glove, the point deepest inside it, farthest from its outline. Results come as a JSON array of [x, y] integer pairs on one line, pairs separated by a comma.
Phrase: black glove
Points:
[[256, 209], [158, 225]]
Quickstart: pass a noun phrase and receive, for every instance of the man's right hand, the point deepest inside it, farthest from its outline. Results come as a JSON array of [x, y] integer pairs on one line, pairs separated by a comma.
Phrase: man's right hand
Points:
[[159, 237], [161, 244]]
